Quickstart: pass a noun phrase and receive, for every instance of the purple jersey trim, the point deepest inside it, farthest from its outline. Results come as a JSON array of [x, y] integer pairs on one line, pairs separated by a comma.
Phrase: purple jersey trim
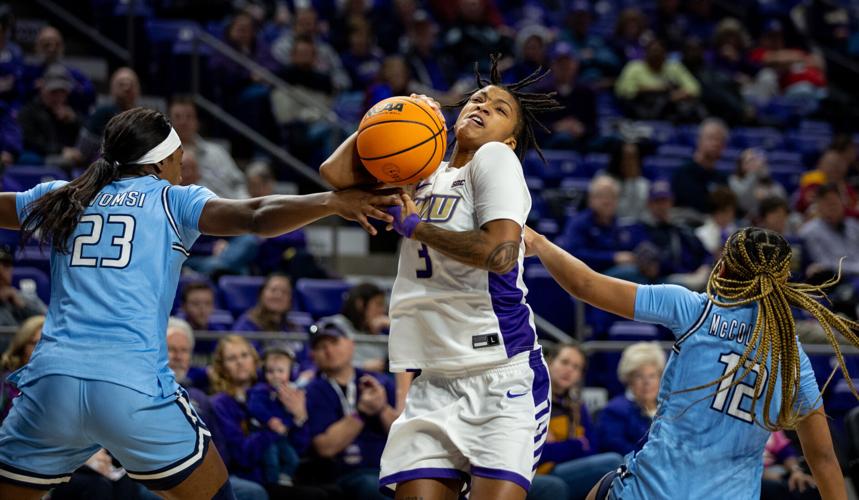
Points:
[[514, 317], [503, 475]]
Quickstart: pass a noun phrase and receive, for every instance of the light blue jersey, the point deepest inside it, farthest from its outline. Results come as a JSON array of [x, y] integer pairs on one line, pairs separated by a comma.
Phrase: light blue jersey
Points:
[[111, 294], [702, 444]]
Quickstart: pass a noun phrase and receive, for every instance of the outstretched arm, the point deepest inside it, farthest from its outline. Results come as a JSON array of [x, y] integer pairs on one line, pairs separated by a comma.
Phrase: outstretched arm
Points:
[[817, 448], [8, 213], [275, 215], [609, 294]]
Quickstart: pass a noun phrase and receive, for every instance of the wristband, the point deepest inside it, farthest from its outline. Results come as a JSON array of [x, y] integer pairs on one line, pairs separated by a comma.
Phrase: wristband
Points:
[[405, 227]]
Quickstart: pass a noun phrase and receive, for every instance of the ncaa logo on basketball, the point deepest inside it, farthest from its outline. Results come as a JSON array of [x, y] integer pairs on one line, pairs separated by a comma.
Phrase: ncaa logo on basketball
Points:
[[391, 106], [392, 171]]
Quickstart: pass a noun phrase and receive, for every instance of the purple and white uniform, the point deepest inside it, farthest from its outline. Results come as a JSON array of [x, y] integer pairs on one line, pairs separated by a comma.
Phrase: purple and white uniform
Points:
[[481, 403]]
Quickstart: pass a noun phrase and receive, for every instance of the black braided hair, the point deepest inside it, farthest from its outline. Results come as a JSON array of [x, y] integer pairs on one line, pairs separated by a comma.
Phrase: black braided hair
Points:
[[529, 103]]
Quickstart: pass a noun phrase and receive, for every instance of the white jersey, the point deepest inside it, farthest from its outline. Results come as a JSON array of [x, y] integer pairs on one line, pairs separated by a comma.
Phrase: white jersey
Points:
[[446, 315]]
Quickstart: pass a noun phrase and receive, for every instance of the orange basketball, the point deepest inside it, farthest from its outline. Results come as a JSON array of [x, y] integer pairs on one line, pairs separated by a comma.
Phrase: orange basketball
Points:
[[401, 141]]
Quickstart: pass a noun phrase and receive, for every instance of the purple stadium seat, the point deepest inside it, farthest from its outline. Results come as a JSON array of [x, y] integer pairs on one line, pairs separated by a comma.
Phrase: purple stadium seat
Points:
[[221, 317], [35, 257], [784, 157], [760, 137], [27, 276], [548, 299], [22, 178], [633, 330], [594, 162], [239, 293], [675, 151], [320, 297], [662, 167]]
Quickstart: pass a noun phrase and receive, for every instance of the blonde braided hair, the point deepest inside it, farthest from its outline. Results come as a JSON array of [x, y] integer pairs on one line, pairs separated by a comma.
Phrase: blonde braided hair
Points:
[[755, 267]]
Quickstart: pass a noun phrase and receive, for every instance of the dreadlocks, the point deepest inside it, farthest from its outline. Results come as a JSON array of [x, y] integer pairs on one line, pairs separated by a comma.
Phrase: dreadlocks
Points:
[[529, 103], [755, 267]]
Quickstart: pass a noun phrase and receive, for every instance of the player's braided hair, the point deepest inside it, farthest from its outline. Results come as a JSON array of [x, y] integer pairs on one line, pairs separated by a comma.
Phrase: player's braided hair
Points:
[[755, 267], [530, 104]]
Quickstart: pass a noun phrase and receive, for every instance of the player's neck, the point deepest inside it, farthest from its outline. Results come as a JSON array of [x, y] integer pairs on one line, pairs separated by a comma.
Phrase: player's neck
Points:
[[460, 158]]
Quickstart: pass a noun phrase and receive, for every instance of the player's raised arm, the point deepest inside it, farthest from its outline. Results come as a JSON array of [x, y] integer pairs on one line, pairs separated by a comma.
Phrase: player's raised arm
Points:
[[278, 214], [8, 214], [609, 294], [343, 169]]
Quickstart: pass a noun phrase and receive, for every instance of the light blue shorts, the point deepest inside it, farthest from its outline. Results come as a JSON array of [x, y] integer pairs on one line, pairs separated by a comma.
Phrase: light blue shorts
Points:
[[59, 421]]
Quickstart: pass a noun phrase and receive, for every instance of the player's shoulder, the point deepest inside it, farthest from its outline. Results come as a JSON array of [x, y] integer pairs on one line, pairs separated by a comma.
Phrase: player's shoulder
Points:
[[495, 150]]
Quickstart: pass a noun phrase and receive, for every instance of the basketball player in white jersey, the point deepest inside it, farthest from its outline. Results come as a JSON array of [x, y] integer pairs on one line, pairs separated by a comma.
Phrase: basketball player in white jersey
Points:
[[476, 415]]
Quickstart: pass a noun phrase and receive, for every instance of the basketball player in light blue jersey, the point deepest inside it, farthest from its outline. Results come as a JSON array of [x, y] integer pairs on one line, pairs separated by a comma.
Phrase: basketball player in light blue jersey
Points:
[[737, 372], [99, 377]]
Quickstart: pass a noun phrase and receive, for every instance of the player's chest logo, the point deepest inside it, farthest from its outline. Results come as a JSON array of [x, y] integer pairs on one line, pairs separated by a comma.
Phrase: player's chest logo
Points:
[[437, 208]]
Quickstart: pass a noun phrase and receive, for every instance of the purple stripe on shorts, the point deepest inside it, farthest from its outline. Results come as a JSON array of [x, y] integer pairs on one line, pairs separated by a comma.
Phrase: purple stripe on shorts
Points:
[[539, 436], [424, 473], [540, 386], [514, 317], [542, 413], [539, 451], [503, 475]]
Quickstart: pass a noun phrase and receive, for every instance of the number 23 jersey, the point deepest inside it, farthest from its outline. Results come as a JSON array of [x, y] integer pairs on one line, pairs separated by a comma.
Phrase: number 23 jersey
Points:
[[446, 315], [112, 292]]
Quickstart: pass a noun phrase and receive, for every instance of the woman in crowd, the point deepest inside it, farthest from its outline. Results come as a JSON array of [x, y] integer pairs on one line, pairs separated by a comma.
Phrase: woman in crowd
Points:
[[16, 356]]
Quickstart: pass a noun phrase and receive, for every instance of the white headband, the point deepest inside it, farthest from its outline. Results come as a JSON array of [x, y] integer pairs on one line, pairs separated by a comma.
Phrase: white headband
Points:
[[161, 151]]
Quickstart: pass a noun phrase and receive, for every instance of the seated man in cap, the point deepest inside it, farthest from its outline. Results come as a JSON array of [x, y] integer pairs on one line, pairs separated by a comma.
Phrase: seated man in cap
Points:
[[15, 307], [349, 413], [50, 126]]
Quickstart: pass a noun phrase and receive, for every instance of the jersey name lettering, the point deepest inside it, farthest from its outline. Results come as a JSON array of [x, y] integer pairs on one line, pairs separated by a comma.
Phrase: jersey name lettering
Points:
[[132, 199], [733, 330]]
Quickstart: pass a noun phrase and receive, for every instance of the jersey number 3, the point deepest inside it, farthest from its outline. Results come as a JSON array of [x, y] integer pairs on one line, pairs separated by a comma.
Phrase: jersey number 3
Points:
[[740, 390], [123, 241], [426, 272]]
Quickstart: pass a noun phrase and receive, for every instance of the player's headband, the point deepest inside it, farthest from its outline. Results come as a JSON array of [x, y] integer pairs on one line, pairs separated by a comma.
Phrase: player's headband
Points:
[[161, 151]]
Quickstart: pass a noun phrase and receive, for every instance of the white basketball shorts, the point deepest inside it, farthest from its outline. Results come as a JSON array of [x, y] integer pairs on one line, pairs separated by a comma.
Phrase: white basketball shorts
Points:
[[489, 423]]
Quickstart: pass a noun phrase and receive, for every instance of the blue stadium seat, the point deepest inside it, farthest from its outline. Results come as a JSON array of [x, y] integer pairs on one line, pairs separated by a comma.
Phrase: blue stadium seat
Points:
[[320, 297], [731, 154], [633, 330], [29, 276], [675, 151], [35, 257], [22, 178], [784, 157], [559, 164], [659, 166], [760, 137], [808, 144], [239, 293], [594, 162], [548, 299], [548, 227]]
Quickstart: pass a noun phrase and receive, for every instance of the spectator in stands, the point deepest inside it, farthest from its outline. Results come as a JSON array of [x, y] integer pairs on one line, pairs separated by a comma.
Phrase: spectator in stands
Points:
[[571, 444], [624, 422], [365, 312], [17, 354], [693, 183], [831, 169], [15, 305], [473, 33], [349, 412], [50, 50], [599, 64], [11, 141], [831, 236], [595, 235], [217, 169], [271, 313], [282, 407], [308, 135], [575, 123], [783, 477], [532, 52], [180, 346], [180, 343], [363, 59], [395, 78], [751, 181], [11, 63], [198, 304], [774, 214], [429, 66], [625, 167], [658, 89], [190, 169], [629, 34], [234, 372], [124, 93], [49, 125], [681, 254], [325, 61], [721, 222]]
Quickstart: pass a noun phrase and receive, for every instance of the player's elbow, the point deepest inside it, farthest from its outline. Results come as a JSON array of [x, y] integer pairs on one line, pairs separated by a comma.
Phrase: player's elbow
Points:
[[330, 171], [503, 258]]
